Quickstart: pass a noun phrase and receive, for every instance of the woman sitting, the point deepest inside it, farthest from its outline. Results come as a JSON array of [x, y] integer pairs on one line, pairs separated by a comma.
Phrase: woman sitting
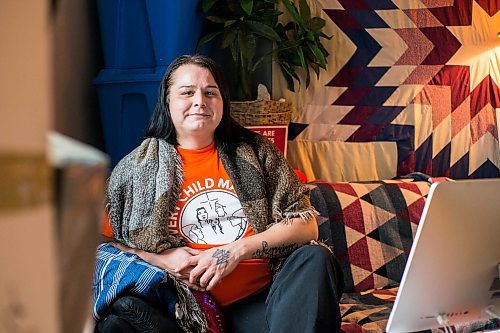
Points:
[[218, 208]]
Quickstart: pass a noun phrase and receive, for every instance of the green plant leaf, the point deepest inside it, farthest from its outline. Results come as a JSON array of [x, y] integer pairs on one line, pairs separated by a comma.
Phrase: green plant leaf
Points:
[[247, 6], [267, 13], [290, 56], [233, 6], [244, 48], [305, 11], [228, 37], [318, 54], [289, 74], [234, 52], [292, 10], [252, 46], [301, 57], [291, 71], [206, 5], [207, 38], [316, 24], [322, 48], [308, 78], [263, 30], [242, 24], [244, 75], [322, 34], [216, 19], [229, 23], [315, 68], [310, 36], [288, 78], [247, 45]]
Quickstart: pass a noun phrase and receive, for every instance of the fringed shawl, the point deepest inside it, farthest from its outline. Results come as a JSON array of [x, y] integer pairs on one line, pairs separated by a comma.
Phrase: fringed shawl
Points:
[[144, 188]]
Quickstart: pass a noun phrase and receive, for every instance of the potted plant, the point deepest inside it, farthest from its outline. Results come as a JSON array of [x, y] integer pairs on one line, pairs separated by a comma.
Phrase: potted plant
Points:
[[239, 25], [299, 47]]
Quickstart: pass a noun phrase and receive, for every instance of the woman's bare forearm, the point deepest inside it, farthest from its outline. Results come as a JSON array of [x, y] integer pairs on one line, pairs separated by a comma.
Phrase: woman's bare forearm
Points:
[[280, 239], [277, 241]]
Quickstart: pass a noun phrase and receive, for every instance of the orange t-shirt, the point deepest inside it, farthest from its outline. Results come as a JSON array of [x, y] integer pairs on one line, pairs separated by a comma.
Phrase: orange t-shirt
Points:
[[209, 214]]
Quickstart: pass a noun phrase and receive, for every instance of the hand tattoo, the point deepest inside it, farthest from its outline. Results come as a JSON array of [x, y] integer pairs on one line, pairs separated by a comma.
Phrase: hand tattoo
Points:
[[274, 252], [221, 255]]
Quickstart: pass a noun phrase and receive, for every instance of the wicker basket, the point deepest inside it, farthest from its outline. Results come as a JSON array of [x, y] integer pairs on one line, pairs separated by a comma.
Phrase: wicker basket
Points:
[[261, 112]]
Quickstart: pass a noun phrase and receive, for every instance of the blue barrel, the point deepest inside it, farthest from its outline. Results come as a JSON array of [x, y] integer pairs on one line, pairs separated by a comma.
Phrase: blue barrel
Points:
[[127, 99], [148, 33], [139, 40]]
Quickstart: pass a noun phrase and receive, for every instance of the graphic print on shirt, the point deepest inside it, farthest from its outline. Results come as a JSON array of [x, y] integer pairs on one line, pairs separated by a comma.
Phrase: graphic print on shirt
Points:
[[213, 217]]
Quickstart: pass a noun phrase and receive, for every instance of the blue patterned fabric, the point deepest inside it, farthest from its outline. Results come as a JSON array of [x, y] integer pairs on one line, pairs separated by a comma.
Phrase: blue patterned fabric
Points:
[[119, 273]]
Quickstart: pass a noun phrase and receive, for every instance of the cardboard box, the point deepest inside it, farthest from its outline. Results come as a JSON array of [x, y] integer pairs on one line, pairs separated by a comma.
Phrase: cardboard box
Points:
[[49, 229]]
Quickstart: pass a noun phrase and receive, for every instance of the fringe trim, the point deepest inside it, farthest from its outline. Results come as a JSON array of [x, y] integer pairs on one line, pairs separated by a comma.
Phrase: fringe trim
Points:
[[320, 243], [187, 311], [286, 218], [177, 182]]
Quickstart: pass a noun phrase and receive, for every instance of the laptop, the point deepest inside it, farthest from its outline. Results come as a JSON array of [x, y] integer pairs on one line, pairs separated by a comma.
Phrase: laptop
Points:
[[452, 273]]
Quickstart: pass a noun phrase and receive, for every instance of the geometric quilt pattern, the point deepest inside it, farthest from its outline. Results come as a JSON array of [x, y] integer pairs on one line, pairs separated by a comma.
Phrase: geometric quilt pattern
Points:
[[370, 227], [424, 74], [368, 312]]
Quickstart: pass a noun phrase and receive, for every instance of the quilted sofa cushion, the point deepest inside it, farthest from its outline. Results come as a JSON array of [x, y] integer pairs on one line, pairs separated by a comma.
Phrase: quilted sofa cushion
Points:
[[370, 227]]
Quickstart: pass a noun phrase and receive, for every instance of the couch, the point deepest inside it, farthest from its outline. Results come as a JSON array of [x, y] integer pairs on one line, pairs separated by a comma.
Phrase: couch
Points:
[[370, 227]]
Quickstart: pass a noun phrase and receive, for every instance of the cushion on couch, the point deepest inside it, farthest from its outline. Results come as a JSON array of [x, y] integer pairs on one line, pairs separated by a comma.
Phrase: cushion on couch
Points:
[[370, 227]]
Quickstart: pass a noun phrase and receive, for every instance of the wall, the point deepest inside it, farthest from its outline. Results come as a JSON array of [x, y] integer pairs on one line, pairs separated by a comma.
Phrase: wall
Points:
[[76, 61], [412, 83], [48, 59], [26, 89]]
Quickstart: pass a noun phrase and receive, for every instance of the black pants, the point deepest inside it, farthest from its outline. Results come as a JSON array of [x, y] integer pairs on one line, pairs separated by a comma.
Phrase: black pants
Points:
[[304, 298]]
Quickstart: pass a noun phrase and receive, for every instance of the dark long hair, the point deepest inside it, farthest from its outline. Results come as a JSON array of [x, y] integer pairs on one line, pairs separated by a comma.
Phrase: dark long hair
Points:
[[227, 135]]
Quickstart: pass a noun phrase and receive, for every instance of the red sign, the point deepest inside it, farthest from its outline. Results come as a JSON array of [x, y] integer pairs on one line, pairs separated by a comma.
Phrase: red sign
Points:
[[276, 134]]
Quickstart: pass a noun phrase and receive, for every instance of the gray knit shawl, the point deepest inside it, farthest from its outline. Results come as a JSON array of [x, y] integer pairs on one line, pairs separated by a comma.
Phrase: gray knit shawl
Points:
[[144, 188]]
